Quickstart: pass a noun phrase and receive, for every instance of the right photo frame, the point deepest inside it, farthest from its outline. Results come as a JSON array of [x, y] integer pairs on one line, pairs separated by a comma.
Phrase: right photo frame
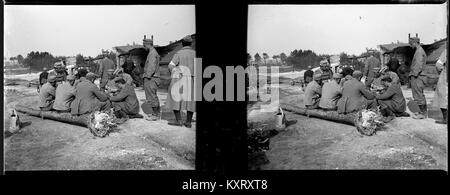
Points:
[[347, 87]]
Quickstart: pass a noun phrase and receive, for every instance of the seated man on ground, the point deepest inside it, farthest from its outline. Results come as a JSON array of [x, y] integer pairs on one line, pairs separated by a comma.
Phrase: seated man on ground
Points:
[[331, 92], [355, 96], [111, 87], [80, 76], [313, 92], [47, 94], [122, 75], [126, 100], [65, 93], [88, 97], [392, 102]]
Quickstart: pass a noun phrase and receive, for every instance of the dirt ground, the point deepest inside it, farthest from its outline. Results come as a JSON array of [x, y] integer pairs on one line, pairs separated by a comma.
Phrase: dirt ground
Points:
[[311, 143], [52, 145]]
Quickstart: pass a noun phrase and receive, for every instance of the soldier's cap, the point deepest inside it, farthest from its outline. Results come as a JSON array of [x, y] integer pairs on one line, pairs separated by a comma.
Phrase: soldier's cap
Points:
[[357, 73], [337, 75], [51, 78], [317, 76], [91, 75], [187, 39], [70, 77]]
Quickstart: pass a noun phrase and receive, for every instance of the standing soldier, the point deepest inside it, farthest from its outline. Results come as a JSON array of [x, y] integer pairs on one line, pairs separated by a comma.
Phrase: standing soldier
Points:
[[371, 64], [441, 94], [104, 65], [151, 79], [418, 78], [182, 73]]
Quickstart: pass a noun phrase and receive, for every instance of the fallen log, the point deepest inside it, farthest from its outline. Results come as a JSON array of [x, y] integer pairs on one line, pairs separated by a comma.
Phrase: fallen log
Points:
[[367, 122], [99, 123], [62, 117]]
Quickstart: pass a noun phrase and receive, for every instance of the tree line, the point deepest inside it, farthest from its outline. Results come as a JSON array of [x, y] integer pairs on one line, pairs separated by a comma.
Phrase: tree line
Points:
[[36, 60], [301, 59]]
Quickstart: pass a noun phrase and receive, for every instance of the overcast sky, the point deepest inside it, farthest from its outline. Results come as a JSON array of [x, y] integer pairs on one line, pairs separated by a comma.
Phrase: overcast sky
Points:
[[70, 30], [332, 29]]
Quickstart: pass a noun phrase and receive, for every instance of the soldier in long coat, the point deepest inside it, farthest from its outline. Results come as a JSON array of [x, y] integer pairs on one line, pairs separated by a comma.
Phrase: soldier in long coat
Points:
[[126, 99], [89, 97], [441, 94], [418, 78], [355, 96], [181, 88]]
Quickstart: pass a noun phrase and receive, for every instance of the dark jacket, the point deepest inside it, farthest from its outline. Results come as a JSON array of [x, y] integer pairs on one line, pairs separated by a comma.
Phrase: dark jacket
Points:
[[354, 96], [127, 100]]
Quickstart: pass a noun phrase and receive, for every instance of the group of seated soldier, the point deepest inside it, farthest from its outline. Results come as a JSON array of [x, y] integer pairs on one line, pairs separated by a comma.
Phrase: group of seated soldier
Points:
[[345, 93], [79, 95]]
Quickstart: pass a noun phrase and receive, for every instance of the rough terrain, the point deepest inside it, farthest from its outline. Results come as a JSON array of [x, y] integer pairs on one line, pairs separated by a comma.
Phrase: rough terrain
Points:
[[52, 145], [311, 143]]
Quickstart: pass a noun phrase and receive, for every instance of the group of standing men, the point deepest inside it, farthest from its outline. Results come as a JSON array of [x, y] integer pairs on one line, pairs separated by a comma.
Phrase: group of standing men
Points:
[[77, 94], [346, 93]]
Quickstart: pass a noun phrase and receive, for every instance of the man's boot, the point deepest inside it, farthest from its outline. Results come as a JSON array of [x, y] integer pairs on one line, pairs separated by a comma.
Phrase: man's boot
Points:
[[388, 115], [155, 115], [422, 113], [444, 114], [188, 121], [177, 121]]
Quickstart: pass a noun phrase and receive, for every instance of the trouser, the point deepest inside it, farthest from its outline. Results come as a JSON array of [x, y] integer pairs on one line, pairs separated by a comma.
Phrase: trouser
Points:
[[371, 104], [105, 105], [150, 88], [369, 81], [189, 115], [389, 105], [417, 86], [103, 83], [49, 107]]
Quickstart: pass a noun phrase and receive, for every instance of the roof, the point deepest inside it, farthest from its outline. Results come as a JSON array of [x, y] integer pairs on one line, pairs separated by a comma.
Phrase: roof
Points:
[[165, 52], [392, 46], [432, 50]]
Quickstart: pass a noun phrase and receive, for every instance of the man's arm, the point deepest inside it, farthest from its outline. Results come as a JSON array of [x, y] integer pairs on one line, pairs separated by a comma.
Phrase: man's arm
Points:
[[119, 97], [99, 94], [387, 94], [366, 93]]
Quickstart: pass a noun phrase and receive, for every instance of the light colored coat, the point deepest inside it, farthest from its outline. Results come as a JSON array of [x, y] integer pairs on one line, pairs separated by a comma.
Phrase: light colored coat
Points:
[[441, 94], [65, 94], [151, 67], [183, 58], [331, 92], [312, 92], [46, 95]]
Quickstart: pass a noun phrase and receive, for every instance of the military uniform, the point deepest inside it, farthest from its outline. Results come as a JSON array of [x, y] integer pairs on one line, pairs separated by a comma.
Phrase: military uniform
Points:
[[105, 64], [47, 96], [355, 97], [126, 100], [369, 72], [88, 98], [441, 95], [65, 94], [151, 79], [326, 74], [312, 95], [418, 78], [392, 99], [183, 58], [331, 92]]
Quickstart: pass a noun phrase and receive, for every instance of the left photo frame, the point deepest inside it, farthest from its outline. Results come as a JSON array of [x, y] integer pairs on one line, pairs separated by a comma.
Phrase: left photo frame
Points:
[[89, 87]]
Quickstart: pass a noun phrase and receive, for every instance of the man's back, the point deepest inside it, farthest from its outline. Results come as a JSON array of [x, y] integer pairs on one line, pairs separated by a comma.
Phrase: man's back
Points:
[[331, 92], [312, 89], [354, 95], [65, 93]]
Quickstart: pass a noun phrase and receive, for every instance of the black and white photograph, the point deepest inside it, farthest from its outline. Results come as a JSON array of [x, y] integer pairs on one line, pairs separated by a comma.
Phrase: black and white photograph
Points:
[[87, 87], [358, 87]]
